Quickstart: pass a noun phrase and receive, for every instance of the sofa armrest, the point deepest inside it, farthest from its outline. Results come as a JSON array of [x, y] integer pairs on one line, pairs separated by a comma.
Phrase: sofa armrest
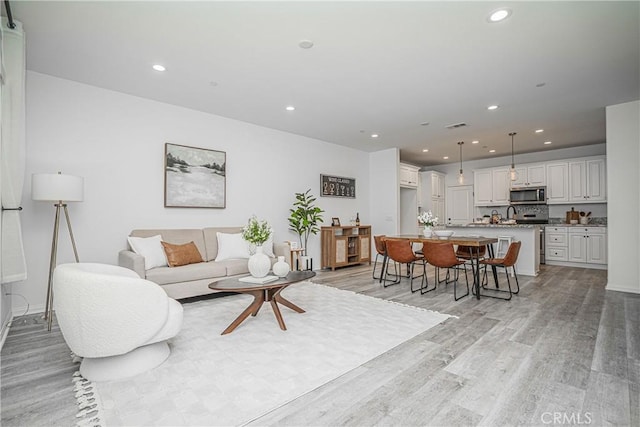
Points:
[[282, 249], [132, 261]]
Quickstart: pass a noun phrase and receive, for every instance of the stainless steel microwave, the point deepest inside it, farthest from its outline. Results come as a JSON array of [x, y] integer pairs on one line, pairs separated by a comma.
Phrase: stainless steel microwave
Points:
[[528, 196]]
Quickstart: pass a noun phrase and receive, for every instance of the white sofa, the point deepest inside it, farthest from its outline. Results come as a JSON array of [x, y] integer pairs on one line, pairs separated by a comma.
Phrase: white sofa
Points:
[[192, 280], [117, 322]]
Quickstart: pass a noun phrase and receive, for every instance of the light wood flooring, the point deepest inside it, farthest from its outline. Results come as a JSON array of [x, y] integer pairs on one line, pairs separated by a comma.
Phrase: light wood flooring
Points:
[[562, 352]]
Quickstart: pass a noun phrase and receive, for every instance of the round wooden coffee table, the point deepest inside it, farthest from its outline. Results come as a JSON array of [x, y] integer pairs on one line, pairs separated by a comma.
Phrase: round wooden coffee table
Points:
[[262, 292]]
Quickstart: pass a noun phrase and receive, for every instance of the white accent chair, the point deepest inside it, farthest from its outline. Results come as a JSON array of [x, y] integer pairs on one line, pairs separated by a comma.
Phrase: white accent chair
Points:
[[118, 322]]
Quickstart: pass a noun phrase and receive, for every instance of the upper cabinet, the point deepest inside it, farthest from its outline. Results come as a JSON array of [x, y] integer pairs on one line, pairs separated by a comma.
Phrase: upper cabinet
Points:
[[433, 197], [581, 180], [530, 176], [408, 175], [587, 181], [491, 187], [558, 183]]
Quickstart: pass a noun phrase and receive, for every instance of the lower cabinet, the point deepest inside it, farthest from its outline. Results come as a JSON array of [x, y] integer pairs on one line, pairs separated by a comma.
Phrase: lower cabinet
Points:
[[576, 246], [556, 244], [343, 246], [588, 244]]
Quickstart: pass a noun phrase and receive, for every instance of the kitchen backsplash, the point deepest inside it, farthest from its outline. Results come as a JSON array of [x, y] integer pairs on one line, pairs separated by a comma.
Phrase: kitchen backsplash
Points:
[[539, 210]]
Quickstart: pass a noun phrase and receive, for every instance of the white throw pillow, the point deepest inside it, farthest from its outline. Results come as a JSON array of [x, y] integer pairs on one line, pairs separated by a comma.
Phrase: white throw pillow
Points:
[[151, 249], [267, 247], [232, 246]]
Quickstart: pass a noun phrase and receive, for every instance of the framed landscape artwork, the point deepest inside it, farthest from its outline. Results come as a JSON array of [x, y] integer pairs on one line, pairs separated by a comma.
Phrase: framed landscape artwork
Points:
[[194, 177]]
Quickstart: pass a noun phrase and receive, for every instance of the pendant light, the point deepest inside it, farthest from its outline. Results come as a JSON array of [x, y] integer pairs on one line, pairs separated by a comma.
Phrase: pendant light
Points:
[[513, 174], [461, 176]]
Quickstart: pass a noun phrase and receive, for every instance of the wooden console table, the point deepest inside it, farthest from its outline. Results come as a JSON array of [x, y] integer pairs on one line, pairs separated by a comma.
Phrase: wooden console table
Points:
[[345, 245]]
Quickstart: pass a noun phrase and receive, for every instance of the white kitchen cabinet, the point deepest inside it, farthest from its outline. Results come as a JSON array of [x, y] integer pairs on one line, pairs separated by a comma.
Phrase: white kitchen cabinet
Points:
[[557, 182], [491, 187], [587, 181], [587, 245], [556, 248], [408, 175], [432, 184], [533, 175], [576, 246], [459, 205]]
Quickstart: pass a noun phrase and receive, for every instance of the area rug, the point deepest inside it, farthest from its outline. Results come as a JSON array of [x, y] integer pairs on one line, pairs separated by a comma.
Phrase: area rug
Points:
[[233, 379]]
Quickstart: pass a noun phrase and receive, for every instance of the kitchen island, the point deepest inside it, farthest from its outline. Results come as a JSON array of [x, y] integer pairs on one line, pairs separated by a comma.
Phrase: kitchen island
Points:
[[529, 258]]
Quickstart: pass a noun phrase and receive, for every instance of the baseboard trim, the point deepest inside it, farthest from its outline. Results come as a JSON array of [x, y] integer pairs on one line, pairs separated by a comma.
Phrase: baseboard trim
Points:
[[611, 287], [22, 310]]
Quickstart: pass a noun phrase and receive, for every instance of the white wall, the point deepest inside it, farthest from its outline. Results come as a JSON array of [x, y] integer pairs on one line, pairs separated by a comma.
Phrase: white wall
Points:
[[116, 142], [385, 192], [623, 196]]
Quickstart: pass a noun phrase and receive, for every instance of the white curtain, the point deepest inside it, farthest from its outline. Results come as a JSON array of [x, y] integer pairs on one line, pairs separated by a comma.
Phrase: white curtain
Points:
[[12, 151]]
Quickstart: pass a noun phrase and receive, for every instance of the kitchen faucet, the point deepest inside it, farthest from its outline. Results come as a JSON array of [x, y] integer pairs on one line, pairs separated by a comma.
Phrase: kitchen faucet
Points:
[[514, 211]]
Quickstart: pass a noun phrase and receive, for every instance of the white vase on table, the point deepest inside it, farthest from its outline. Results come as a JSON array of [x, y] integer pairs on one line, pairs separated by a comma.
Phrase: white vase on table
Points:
[[281, 268], [427, 231], [259, 263]]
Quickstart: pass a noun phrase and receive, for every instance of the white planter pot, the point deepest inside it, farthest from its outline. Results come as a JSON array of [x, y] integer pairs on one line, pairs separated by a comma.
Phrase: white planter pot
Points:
[[427, 231], [259, 263]]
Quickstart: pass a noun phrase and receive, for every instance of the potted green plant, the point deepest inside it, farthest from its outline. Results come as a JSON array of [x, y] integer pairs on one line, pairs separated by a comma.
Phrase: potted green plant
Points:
[[305, 217], [257, 232]]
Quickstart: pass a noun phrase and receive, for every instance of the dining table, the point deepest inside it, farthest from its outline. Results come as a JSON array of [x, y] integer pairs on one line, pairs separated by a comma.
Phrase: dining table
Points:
[[474, 243]]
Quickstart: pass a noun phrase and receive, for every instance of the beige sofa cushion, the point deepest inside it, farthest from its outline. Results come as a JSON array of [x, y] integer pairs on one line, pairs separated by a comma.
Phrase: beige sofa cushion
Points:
[[235, 266], [185, 273], [178, 237], [211, 240]]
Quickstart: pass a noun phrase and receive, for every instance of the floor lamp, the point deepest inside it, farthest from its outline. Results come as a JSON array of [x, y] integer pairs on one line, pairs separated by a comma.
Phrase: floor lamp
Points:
[[60, 189]]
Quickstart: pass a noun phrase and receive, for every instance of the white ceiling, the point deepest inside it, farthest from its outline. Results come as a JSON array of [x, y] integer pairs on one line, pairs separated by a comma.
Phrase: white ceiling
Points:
[[375, 67]]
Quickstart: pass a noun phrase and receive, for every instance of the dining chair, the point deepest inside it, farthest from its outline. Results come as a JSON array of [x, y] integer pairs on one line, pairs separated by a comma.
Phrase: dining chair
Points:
[[508, 261], [401, 252], [381, 250], [442, 255]]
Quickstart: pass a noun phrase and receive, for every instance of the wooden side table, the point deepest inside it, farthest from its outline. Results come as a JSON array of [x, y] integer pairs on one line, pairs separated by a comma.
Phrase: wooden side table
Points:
[[295, 255]]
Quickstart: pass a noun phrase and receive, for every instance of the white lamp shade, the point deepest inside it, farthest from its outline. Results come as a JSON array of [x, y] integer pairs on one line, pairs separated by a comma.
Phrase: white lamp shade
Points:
[[57, 187]]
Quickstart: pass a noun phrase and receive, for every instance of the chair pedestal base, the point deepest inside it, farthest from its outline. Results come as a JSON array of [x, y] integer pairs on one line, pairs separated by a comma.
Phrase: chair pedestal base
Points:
[[126, 365]]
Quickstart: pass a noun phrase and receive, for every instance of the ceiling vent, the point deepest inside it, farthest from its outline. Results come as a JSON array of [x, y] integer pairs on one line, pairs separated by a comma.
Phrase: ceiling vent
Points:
[[456, 125]]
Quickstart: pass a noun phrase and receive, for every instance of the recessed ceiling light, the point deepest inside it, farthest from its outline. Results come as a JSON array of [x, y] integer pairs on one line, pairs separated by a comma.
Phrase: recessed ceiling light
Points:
[[475, 142], [539, 130], [305, 44], [492, 107], [426, 150], [499, 15], [159, 67], [446, 157], [492, 151], [374, 135], [547, 142], [290, 108]]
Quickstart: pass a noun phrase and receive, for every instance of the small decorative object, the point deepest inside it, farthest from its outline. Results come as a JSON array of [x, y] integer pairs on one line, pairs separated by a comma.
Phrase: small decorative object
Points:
[[357, 219], [337, 186], [335, 222], [443, 234], [194, 177], [257, 232], [428, 221], [281, 268]]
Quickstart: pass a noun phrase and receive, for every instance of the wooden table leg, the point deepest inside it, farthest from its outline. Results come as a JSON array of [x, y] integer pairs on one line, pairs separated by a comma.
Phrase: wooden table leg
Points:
[[276, 311], [254, 307], [282, 300]]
